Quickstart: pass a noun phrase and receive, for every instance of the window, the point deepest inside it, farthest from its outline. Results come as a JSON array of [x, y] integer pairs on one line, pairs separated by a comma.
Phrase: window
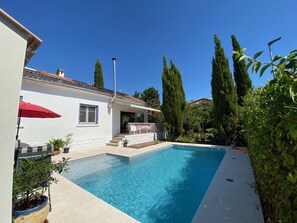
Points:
[[88, 114]]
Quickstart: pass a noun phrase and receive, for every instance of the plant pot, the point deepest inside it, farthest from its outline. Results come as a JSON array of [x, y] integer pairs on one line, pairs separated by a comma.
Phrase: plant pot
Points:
[[34, 215], [55, 152], [125, 144], [66, 150]]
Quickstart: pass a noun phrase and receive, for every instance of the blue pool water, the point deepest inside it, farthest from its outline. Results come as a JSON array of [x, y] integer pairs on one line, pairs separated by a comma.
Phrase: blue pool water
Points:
[[163, 186]]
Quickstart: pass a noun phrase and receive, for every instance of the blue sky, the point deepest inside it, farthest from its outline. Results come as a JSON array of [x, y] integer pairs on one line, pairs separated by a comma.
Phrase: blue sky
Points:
[[138, 33]]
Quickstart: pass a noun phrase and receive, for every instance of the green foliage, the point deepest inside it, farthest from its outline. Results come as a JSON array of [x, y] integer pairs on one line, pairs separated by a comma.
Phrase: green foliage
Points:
[[68, 139], [174, 102], [224, 94], [186, 139], [242, 80], [270, 117], [137, 95], [152, 98], [56, 143], [32, 178], [191, 137], [98, 75], [198, 116], [192, 119]]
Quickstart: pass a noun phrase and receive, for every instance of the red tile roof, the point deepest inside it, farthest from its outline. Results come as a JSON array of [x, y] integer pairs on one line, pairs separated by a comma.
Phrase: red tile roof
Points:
[[67, 82]]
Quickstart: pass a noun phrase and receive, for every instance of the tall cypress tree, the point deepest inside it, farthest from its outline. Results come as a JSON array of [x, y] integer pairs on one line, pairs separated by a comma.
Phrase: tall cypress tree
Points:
[[242, 80], [98, 75], [173, 99], [223, 93], [181, 100]]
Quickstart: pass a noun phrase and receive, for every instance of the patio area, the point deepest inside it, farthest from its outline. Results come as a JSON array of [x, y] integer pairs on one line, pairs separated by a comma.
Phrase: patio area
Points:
[[225, 201]]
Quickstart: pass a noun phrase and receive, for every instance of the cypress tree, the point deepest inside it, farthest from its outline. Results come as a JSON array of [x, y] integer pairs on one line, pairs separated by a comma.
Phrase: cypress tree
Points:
[[167, 94], [242, 80], [98, 75], [173, 99], [181, 100], [223, 93]]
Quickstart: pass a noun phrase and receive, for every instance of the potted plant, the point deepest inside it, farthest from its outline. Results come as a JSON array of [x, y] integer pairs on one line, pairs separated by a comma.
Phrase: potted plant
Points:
[[30, 181], [67, 142], [125, 142], [57, 145]]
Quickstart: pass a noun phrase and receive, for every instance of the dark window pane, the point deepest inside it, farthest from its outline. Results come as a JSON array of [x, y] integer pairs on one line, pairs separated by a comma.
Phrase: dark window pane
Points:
[[92, 114], [83, 114]]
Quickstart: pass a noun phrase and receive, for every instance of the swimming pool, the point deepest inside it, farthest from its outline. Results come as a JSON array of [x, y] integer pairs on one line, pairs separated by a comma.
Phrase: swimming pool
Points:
[[164, 186]]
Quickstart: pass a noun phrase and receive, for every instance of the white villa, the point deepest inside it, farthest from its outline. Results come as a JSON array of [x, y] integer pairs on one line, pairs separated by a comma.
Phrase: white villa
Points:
[[92, 114]]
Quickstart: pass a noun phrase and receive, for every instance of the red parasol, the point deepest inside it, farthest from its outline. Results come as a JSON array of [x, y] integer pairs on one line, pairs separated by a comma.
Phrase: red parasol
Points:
[[29, 110]]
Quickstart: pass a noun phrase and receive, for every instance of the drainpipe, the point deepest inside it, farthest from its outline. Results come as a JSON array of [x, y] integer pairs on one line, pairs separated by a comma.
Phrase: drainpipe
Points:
[[114, 81]]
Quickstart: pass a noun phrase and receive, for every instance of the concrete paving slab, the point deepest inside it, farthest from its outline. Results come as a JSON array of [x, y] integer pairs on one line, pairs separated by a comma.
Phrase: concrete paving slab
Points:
[[230, 197]]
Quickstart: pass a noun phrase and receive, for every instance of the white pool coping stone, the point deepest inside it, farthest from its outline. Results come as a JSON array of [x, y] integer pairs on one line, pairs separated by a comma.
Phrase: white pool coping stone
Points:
[[224, 201], [230, 197]]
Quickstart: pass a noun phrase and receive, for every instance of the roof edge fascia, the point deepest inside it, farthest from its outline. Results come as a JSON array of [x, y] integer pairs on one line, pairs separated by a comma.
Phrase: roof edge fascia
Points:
[[33, 41]]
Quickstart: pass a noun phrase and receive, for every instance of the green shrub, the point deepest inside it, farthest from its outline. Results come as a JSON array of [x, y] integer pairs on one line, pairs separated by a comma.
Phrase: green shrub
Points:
[[57, 143], [185, 139], [31, 180], [270, 125]]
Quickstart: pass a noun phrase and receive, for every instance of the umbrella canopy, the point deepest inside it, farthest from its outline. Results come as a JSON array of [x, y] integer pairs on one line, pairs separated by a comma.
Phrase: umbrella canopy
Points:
[[29, 110]]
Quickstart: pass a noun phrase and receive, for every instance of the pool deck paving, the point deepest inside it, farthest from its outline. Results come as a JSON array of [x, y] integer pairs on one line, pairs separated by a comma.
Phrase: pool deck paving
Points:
[[230, 197], [225, 200]]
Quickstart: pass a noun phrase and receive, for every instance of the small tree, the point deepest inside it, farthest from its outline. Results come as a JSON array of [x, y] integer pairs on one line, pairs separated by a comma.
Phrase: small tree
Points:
[[137, 94], [198, 116], [31, 180], [98, 75], [192, 121], [223, 93], [152, 98]]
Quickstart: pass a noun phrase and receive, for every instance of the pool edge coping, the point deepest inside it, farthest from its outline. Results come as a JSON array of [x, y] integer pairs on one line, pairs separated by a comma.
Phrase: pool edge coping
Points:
[[153, 148]]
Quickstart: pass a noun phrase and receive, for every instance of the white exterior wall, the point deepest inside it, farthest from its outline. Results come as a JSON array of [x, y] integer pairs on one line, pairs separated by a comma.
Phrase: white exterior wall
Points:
[[116, 120], [145, 137], [12, 56], [140, 138], [65, 102]]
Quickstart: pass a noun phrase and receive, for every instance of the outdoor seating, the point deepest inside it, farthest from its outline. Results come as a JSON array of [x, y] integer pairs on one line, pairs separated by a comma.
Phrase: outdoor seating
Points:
[[145, 128], [138, 128], [132, 129]]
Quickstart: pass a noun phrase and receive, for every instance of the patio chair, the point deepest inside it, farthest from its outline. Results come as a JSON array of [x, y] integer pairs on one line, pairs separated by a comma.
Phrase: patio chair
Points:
[[145, 128], [132, 129], [37, 152]]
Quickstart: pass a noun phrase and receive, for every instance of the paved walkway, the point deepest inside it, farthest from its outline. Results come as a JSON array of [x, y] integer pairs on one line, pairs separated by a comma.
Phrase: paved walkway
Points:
[[230, 197]]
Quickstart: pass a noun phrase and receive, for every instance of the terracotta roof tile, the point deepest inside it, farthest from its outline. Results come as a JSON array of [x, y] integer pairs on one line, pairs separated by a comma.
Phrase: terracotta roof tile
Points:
[[54, 78]]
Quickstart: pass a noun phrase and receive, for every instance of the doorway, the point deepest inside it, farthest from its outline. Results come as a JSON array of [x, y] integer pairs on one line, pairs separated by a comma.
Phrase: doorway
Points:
[[130, 117], [125, 118]]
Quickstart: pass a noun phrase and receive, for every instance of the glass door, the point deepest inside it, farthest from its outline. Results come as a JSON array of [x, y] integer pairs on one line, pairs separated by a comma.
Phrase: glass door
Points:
[[125, 118]]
